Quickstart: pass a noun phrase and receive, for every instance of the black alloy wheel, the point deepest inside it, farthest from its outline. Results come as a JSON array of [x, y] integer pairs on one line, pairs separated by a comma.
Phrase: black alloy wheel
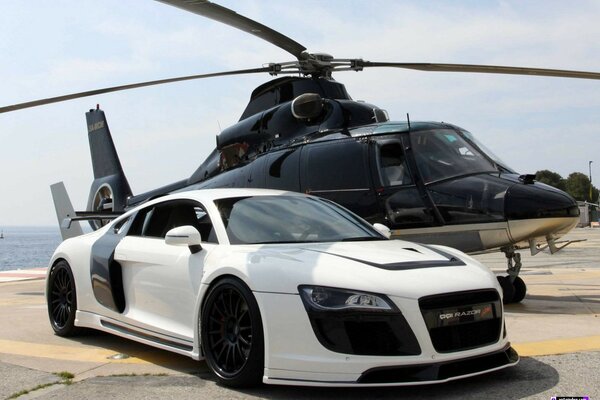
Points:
[[62, 299], [232, 334]]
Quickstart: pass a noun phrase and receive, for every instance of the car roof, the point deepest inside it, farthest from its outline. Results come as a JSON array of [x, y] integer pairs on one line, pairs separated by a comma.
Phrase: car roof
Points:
[[206, 195]]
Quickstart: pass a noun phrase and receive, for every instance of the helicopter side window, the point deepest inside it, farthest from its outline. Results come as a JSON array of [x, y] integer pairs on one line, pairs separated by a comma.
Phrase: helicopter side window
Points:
[[339, 171], [334, 167], [393, 167]]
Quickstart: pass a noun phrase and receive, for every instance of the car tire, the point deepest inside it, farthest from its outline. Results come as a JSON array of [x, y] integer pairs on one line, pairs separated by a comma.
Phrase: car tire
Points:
[[232, 334], [61, 297]]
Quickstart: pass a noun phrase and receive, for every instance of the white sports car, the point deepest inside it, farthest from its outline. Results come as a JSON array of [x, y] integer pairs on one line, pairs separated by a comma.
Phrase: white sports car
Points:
[[282, 288]]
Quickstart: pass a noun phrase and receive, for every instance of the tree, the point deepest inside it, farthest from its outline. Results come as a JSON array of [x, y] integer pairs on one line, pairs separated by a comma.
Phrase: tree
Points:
[[578, 185], [551, 178]]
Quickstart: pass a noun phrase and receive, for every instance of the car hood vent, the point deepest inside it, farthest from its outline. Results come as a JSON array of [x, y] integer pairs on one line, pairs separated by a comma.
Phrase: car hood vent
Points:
[[386, 255]]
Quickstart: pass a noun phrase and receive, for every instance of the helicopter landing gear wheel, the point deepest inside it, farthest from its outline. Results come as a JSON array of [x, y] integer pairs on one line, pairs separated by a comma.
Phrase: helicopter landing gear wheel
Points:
[[520, 290], [508, 289], [513, 286]]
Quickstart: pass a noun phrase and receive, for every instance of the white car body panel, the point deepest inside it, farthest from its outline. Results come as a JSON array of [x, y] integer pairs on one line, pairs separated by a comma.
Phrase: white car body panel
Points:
[[161, 283], [164, 286], [279, 268]]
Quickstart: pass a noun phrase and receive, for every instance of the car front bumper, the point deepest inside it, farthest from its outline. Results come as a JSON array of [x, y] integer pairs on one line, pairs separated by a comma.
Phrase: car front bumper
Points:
[[294, 355]]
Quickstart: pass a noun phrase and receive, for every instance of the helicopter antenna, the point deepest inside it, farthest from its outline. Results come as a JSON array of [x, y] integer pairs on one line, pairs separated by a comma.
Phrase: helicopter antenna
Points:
[[408, 120], [219, 124]]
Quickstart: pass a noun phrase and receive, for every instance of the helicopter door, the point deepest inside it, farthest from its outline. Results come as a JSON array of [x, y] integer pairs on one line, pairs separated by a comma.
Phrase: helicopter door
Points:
[[398, 195], [339, 171]]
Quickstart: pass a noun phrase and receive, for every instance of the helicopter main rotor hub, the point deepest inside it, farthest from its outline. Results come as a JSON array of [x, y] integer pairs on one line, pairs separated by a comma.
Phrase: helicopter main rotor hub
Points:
[[316, 64]]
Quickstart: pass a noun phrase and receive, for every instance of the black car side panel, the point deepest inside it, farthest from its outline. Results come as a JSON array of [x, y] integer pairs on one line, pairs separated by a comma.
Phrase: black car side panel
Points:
[[106, 275]]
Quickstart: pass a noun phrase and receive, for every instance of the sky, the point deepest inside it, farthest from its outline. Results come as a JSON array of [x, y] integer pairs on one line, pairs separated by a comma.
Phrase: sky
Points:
[[163, 133]]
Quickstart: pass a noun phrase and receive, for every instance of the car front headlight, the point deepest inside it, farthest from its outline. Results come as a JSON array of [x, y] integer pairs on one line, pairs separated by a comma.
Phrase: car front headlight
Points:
[[322, 298]]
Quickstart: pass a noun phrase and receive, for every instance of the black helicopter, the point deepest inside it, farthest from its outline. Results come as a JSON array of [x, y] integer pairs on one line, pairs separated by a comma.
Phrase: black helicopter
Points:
[[428, 182]]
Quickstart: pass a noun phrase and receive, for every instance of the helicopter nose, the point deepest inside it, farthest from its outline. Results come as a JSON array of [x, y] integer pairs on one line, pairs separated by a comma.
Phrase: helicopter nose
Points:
[[539, 210]]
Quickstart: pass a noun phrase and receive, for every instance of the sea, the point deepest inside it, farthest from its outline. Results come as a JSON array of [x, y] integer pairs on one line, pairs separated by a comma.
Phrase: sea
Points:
[[27, 247]]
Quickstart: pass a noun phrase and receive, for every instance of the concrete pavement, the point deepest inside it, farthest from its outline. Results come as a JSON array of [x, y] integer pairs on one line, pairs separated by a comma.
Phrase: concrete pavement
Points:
[[557, 326], [534, 378]]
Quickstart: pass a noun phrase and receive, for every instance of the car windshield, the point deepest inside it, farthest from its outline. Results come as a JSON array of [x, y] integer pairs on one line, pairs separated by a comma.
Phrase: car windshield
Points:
[[290, 219], [443, 153]]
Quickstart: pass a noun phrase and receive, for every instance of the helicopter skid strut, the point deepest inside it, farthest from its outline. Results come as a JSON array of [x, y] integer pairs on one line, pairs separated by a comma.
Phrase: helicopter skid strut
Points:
[[513, 286]]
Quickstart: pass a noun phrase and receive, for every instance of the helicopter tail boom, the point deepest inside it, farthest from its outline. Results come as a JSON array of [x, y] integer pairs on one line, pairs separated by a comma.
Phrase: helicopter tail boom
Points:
[[110, 189]]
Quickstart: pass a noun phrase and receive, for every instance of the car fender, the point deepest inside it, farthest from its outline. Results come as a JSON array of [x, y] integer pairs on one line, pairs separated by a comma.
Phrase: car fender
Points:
[[212, 275]]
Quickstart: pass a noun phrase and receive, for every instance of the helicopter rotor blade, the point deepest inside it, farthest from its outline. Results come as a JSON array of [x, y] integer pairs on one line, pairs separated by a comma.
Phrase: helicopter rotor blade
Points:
[[72, 96], [231, 18], [485, 69]]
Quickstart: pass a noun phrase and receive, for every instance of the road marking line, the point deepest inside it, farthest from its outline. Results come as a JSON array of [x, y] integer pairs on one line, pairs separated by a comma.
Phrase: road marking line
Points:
[[67, 353], [100, 355], [558, 346]]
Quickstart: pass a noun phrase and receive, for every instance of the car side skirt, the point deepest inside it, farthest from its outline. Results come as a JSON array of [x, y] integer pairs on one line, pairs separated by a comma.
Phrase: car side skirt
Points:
[[155, 339]]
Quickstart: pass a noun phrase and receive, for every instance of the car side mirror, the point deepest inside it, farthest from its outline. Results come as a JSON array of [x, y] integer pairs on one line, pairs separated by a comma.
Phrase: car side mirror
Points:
[[384, 230], [185, 235]]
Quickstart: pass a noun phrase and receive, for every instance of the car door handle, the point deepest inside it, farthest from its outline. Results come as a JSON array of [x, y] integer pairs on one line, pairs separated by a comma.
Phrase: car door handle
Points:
[[120, 256]]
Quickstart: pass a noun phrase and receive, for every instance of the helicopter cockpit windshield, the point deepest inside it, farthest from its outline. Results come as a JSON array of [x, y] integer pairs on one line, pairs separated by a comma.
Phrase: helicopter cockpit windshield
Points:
[[444, 153], [487, 151]]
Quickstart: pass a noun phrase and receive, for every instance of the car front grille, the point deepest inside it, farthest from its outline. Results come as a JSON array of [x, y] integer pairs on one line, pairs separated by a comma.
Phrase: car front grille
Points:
[[462, 320]]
